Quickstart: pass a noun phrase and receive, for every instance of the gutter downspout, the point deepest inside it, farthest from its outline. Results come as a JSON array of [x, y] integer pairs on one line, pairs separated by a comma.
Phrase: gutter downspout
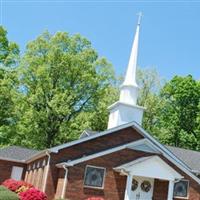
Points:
[[65, 182], [47, 170]]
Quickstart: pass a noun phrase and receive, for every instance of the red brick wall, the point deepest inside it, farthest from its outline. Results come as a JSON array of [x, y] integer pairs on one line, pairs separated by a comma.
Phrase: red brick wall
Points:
[[194, 190], [114, 185], [114, 182], [160, 190], [6, 169], [89, 147], [96, 145]]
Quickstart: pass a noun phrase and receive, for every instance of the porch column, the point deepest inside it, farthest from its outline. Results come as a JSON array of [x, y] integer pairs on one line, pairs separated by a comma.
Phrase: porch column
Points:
[[170, 190], [128, 187]]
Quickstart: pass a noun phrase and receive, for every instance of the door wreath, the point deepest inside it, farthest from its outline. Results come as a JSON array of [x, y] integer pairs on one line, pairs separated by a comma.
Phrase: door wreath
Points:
[[134, 185], [146, 186]]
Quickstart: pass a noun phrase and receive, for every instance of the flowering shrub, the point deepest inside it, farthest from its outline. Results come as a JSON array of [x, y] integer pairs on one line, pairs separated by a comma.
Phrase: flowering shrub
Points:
[[33, 194], [95, 198], [23, 183], [11, 184], [22, 189], [14, 185]]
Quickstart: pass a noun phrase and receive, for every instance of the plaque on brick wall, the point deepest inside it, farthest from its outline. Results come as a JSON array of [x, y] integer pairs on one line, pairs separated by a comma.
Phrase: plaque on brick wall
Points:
[[94, 176]]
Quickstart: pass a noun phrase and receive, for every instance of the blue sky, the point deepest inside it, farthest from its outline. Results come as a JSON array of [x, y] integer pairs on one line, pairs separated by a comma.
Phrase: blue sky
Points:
[[169, 39]]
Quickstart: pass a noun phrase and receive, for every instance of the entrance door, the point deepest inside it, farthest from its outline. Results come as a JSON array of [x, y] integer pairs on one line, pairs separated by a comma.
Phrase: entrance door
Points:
[[142, 188]]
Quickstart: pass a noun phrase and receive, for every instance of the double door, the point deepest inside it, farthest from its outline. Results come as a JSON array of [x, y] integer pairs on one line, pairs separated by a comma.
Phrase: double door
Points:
[[142, 188]]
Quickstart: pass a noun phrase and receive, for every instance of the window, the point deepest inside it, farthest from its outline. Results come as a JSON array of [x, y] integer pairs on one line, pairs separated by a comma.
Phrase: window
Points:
[[181, 188], [94, 177], [16, 173]]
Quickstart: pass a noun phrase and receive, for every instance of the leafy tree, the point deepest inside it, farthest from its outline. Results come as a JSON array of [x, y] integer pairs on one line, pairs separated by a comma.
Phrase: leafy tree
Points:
[[150, 84], [9, 51], [9, 56], [63, 82], [179, 114]]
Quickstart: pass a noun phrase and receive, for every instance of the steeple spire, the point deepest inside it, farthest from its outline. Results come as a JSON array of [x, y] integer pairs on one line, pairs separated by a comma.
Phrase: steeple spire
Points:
[[126, 109], [130, 78]]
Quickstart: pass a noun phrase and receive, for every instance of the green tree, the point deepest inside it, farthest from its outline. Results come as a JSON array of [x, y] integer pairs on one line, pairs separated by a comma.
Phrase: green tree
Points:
[[9, 57], [178, 117], [150, 84], [62, 82], [9, 51]]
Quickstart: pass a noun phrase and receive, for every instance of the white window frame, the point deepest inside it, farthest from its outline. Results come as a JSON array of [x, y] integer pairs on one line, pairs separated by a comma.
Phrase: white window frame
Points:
[[104, 175], [17, 168], [188, 187]]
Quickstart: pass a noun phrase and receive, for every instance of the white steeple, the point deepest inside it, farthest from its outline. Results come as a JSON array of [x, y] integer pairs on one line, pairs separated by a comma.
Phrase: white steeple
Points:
[[126, 109], [130, 78]]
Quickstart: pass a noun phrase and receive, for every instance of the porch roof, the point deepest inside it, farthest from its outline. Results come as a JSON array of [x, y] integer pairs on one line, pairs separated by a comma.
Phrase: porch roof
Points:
[[151, 166]]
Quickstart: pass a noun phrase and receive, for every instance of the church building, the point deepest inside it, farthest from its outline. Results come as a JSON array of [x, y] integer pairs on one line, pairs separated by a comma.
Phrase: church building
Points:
[[123, 162]]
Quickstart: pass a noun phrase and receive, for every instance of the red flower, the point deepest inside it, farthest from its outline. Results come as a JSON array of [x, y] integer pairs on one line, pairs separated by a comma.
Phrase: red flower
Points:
[[33, 194], [14, 185]]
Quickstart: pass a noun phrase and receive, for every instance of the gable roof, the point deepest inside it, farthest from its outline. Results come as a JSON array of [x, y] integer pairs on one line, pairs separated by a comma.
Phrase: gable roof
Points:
[[149, 167], [156, 144], [16, 153], [189, 157], [90, 137], [164, 150]]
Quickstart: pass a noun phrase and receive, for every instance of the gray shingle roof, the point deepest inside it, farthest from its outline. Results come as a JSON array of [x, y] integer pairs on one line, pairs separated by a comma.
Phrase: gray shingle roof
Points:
[[17, 153], [189, 157]]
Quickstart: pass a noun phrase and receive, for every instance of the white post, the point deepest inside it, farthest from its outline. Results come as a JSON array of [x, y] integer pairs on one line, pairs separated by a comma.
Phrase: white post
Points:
[[170, 190], [46, 171], [65, 182], [128, 187]]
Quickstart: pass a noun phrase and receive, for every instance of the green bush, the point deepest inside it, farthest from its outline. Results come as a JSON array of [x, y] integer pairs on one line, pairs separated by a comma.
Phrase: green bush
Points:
[[2, 188], [6, 194]]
